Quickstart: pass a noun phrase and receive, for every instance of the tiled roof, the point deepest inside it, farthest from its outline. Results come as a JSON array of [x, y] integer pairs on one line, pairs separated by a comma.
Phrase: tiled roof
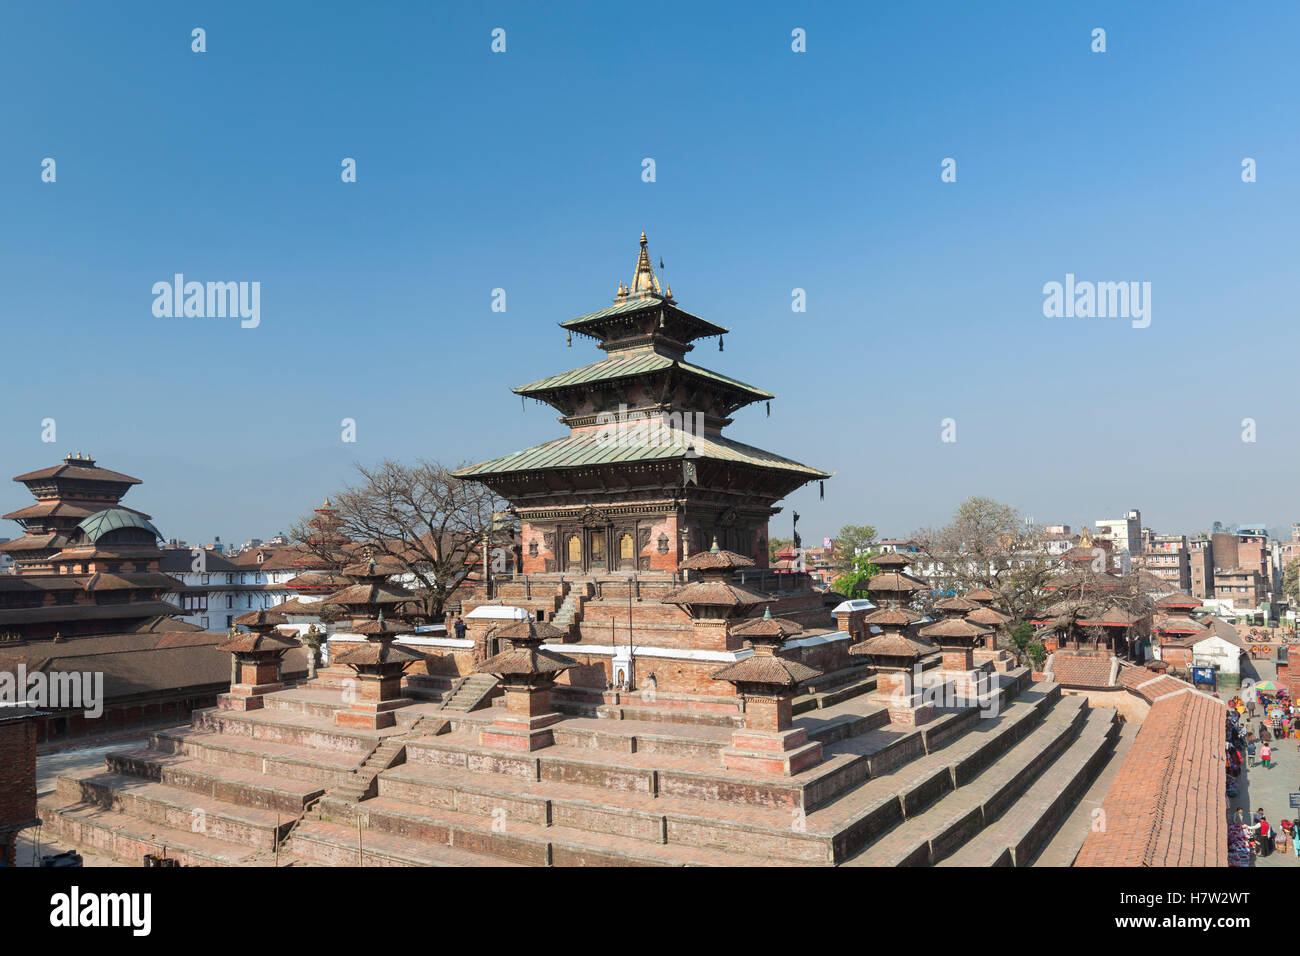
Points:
[[1167, 805], [134, 664], [585, 449], [92, 473], [1082, 671], [765, 669], [715, 594]]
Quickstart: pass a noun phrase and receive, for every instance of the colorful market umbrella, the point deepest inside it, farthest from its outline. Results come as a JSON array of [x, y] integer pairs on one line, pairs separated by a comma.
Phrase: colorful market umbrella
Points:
[[1266, 685]]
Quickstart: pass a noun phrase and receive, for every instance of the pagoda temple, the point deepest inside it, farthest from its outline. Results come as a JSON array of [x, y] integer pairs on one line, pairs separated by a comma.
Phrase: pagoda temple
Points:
[[66, 494], [645, 477], [85, 565]]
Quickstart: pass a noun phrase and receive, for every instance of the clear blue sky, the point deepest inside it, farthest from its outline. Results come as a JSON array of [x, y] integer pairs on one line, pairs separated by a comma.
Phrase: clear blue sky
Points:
[[775, 170]]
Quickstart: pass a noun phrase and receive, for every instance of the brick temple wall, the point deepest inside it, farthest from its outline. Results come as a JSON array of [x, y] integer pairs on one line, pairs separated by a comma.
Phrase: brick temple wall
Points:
[[18, 795]]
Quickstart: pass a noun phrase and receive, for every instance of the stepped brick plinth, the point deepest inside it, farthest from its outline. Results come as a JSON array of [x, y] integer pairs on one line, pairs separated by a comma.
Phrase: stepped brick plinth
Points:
[[766, 682], [894, 656], [256, 661], [957, 639], [527, 674], [985, 616], [713, 602], [379, 665]]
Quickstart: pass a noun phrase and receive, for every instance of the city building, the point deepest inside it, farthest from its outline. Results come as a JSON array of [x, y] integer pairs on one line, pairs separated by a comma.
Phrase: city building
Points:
[[1124, 534]]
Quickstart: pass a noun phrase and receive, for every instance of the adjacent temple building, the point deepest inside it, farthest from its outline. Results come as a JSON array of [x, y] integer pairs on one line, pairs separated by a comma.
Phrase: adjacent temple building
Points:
[[86, 564], [645, 477], [88, 595]]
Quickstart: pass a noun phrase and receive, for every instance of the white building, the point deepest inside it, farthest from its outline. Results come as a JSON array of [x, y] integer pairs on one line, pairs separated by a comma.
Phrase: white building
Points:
[[1124, 534]]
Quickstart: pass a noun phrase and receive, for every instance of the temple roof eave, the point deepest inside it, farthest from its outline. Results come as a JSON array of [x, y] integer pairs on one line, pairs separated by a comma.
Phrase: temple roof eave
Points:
[[587, 450]]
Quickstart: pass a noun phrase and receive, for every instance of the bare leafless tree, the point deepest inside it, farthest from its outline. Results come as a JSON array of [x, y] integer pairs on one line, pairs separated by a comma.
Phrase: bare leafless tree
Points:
[[987, 545], [419, 517]]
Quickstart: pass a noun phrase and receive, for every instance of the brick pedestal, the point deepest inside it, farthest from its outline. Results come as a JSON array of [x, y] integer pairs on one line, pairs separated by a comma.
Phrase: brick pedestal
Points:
[[377, 696], [254, 678], [524, 723], [895, 691], [971, 682], [783, 752]]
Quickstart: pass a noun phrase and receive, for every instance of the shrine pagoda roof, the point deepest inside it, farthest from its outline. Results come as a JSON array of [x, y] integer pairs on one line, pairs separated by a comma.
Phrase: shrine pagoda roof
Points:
[[55, 508], [632, 364], [584, 449], [81, 468], [770, 670], [590, 323]]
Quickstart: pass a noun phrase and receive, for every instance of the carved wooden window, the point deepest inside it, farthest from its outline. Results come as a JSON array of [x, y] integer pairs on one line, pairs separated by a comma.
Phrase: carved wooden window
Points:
[[626, 550], [575, 549], [532, 549], [663, 544]]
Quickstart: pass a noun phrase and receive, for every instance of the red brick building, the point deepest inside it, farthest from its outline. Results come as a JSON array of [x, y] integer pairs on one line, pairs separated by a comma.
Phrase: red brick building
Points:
[[18, 792]]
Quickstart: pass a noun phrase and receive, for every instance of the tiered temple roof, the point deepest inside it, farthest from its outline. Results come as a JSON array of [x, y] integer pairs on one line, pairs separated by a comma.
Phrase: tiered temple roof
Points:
[[607, 477], [86, 565]]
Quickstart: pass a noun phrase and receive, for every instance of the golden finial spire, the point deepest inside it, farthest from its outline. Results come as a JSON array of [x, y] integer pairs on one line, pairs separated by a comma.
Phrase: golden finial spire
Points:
[[644, 281]]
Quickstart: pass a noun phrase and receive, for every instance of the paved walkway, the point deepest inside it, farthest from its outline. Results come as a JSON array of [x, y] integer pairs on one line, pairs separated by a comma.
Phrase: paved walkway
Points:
[[1269, 788], [48, 769]]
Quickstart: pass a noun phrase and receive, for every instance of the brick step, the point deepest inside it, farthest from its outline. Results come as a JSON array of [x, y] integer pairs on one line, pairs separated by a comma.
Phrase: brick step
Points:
[[526, 843], [289, 702], [931, 832], [643, 737], [1064, 845], [332, 844], [918, 767], [654, 819], [128, 838], [834, 688], [229, 783], [305, 731], [178, 808], [646, 773], [322, 767], [671, 715], [1026, 827], [829, 730]]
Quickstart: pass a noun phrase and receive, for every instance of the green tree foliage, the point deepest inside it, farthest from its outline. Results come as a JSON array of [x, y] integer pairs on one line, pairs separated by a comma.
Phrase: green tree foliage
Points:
[[853, 582], [853, 541]]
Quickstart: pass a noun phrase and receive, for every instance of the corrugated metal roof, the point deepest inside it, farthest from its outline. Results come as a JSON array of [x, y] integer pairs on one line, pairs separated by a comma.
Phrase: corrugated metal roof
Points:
[[631, 306], [630, 364], [594, 448]]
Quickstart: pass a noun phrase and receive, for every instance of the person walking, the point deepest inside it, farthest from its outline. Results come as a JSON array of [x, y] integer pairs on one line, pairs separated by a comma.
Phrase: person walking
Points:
[[1250, 707], [1250, 752], [1266, 756], [1264, 735], [459, 628]]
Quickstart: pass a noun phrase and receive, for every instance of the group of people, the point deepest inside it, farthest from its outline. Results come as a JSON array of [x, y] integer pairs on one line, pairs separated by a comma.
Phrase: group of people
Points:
[[1265, 838], [1278, 720]]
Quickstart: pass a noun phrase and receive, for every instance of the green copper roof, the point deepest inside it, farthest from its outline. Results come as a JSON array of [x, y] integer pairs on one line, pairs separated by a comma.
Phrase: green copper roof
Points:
[[593, 448], [630, 306], [629, 364], [102, 522]]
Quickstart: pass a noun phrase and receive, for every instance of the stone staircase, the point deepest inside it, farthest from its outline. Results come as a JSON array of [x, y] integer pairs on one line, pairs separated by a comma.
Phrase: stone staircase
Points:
[[570, 610], [470, 693], [214, 801], [363, 784]]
